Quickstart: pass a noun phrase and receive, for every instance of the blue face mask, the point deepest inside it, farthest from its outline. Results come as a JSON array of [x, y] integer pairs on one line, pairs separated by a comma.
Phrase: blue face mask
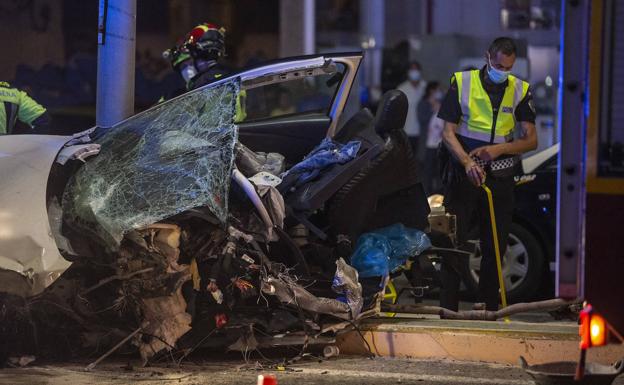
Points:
[[496, 75], [413, 75]]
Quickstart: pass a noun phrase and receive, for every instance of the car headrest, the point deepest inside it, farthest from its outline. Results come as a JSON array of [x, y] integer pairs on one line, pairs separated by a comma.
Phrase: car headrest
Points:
[[391, 112], [355, 125]]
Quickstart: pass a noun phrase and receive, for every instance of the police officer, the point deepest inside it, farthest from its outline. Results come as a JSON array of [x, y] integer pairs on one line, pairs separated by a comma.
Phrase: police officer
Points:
[[481, 110], [17, 107]]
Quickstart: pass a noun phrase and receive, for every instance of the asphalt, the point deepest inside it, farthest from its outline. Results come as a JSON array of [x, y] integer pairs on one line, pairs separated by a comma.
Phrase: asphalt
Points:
[[435, 352], [342, 370]]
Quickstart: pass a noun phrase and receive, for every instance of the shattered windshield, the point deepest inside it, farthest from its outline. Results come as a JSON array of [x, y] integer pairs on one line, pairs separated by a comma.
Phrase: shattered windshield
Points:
[[171, 158]]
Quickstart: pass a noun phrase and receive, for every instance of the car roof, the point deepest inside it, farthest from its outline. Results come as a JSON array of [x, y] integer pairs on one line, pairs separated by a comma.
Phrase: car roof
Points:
[[295, 58], [532, 163]]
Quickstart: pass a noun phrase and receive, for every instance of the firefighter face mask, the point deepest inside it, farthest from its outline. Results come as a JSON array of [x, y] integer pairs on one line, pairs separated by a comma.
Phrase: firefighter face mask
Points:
[[496, 75]]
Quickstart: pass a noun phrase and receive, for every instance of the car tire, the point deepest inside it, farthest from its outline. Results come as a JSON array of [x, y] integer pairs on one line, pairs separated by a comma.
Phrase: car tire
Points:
[[524, 278]]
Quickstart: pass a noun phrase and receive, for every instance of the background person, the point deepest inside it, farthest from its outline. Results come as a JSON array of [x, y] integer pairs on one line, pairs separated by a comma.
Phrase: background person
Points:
[[414, 89], [431, 134]]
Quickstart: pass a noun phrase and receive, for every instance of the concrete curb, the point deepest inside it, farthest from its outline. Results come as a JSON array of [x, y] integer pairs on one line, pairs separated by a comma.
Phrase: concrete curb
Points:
[[493, 342]]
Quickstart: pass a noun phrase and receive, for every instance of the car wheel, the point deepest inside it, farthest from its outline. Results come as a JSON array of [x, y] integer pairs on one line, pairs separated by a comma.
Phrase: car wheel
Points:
[[523, 265]]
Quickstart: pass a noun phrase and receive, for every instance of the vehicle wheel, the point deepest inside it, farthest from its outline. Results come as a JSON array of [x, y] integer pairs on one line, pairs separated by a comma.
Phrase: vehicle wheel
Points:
[[523, 265]]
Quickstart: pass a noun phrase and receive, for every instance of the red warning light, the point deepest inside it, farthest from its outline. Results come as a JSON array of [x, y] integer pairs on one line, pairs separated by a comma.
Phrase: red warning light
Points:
[[598, 330], [593, 329]]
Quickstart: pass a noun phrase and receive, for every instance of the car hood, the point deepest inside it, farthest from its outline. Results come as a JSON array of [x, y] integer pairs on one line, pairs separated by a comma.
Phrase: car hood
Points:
[[26, 242], [167, 160]]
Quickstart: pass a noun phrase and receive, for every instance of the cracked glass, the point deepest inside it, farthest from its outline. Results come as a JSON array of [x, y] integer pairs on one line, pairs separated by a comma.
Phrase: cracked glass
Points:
[[171, 158]]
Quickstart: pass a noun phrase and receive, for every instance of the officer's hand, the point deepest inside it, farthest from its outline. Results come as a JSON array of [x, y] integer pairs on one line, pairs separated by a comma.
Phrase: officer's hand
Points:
[[475, 174], [212, 286], [487, 153]]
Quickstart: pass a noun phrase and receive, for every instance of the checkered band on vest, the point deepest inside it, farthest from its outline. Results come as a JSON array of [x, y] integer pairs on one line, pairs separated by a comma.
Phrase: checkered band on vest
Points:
[[503, 164], [496, 165], [480, 162]]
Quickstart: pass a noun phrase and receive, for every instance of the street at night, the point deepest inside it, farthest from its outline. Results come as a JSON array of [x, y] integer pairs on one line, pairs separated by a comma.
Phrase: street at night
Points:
[[311, 191]]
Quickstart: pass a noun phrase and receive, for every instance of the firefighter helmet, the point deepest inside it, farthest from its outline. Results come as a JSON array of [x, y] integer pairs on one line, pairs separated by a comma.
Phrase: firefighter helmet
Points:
[[206, 41]]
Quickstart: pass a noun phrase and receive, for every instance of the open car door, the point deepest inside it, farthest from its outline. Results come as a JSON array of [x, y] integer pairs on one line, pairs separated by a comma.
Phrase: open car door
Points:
[[290, 106]]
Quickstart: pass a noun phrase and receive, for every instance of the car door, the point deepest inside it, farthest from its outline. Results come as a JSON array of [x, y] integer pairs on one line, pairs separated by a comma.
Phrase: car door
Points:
[[290, 106]]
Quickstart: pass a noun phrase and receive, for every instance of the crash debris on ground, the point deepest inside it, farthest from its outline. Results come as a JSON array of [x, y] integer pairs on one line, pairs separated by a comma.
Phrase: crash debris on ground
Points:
[[181, 238]]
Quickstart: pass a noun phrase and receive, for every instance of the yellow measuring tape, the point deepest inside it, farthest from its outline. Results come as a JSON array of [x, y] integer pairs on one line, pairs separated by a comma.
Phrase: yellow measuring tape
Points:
[[499, 265]]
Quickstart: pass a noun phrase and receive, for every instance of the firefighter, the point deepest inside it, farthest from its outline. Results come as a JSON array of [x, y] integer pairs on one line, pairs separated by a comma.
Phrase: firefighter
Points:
[[19, 113], [197, 60], [481, 110], [197, 57]]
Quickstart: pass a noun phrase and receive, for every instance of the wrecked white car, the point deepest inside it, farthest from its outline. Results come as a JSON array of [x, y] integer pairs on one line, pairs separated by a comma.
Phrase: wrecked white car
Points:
[[180, 227]]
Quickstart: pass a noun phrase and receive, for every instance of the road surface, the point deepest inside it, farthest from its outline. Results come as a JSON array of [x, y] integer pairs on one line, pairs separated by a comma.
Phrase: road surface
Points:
[[340, 370]]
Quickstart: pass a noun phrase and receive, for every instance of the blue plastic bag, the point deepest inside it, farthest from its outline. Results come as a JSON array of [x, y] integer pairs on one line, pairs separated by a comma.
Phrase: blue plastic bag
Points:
[[371, 255], [380, 252], [327, 153]]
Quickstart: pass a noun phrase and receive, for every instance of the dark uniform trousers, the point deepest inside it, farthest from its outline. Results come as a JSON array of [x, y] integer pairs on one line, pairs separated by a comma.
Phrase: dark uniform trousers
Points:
[[470, 204]]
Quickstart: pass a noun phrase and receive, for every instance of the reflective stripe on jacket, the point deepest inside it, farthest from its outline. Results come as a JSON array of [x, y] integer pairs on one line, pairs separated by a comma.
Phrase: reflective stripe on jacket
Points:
[[477, 112], [16, 105]]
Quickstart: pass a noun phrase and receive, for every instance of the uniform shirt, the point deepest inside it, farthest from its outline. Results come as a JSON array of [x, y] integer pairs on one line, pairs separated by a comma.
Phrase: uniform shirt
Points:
[[414, 94], [450, 110], [214, 73], [16, 105]]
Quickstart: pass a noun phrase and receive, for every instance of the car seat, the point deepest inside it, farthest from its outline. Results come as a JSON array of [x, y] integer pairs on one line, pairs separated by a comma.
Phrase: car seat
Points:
[[355, 126], [314, 194], [388, 189]]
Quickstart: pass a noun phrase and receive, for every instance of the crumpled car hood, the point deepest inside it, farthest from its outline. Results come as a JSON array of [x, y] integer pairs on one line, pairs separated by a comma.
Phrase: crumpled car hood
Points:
[[169, 159], [25, 242]]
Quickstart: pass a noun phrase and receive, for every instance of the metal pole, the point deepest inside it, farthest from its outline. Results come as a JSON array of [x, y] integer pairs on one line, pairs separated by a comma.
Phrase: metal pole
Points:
[[116, 51], [372, 21], [309, 27], [297, 27], [571, 168]]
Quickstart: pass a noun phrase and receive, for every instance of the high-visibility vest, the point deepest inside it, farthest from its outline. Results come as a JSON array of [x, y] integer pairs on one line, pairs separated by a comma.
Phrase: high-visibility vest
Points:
[[477, 113], [16, 105]]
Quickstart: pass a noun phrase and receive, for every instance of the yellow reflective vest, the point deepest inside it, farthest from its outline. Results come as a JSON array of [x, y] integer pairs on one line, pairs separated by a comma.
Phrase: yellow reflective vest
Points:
[[16, 105], [477, 113]]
